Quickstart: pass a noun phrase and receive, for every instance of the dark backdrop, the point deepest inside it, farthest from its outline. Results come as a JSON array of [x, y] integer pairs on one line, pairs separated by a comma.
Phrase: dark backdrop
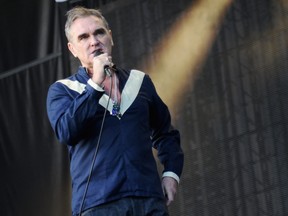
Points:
[[233, 120], [27, 31]]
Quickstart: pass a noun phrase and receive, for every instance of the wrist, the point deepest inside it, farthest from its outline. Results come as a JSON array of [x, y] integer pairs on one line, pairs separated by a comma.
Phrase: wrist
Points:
[[100, 84], [96, 86]]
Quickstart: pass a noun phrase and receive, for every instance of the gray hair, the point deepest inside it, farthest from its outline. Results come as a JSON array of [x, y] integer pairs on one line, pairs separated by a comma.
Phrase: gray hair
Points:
[[81, 12]]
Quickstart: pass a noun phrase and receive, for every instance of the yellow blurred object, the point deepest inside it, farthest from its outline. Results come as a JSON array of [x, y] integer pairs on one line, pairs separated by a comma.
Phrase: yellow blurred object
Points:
[[184, 48]]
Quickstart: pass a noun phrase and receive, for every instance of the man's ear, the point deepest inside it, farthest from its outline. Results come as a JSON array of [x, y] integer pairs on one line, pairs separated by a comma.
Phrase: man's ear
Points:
[[71, 49], [112, 42]]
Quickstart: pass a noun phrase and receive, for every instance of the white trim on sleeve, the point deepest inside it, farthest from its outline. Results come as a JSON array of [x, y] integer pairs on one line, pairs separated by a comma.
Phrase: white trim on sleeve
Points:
[[171, 174]]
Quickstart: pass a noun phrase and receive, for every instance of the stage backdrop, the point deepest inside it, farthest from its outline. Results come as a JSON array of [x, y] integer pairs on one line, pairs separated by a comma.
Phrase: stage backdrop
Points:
[[233, 119]]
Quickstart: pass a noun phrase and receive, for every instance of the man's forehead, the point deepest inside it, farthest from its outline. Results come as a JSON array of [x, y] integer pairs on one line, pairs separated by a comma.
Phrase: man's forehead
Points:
[[87, 23]]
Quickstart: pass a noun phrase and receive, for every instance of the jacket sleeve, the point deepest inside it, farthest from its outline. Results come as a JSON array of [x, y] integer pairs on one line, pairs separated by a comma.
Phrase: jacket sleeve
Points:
[[70, 111], [165, 138]]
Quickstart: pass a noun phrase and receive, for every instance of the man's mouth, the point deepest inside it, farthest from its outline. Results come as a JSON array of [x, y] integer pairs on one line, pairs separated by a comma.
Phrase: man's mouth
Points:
[[97, 52]]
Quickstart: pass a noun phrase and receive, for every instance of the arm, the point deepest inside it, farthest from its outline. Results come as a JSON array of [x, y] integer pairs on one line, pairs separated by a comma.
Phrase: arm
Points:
[[166, 140], [71, 105]]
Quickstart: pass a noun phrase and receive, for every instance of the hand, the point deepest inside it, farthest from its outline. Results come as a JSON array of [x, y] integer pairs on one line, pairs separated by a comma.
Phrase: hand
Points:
[[99, 62], [169, 187]]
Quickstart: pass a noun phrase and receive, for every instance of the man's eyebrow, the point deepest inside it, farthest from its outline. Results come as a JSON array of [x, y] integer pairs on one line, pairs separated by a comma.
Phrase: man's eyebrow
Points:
[[82, 35]]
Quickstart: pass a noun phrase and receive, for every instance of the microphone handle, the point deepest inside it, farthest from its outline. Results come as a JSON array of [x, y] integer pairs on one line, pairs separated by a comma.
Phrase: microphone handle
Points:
[[107, 71]]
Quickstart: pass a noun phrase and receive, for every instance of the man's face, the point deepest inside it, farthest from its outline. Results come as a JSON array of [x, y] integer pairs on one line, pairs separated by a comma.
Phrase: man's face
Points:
[[87, 35]]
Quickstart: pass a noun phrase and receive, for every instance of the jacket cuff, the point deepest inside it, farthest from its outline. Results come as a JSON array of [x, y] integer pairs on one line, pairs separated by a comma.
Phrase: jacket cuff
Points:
[[172, 175], [95, 86]]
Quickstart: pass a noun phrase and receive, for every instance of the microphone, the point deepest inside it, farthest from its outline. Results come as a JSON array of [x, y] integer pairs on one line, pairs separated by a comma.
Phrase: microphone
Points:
[[106, 67]]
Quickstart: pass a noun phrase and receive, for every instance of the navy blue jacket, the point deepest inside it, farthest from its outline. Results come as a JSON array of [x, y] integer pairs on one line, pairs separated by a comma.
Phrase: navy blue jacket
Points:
[[125, 164]]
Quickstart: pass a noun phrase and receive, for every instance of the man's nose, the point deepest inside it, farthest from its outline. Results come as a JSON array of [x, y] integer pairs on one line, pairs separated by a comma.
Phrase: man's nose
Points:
[[94, 40]]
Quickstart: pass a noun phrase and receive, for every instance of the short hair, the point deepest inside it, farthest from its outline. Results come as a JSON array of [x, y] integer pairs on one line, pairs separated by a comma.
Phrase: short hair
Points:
[[80, 12]]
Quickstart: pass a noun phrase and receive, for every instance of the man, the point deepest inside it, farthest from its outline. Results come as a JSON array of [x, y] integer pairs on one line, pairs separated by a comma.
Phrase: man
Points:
[[112, 166]]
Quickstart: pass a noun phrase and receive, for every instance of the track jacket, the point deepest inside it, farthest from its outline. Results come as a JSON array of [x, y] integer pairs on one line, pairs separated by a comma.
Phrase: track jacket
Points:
[[124, 164]]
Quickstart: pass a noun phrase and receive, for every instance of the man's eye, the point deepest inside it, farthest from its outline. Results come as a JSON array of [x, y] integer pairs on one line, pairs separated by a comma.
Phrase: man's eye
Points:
[[82, 37], [100, 32]]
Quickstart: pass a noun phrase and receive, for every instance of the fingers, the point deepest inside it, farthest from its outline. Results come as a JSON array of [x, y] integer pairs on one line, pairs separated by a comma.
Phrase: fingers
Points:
[[104, 59], [169, 198], [99, 62], [169, 195]]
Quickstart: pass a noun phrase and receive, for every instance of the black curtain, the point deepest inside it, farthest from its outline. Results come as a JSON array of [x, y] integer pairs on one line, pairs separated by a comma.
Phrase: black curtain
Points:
[[28, 32], [35, 178]]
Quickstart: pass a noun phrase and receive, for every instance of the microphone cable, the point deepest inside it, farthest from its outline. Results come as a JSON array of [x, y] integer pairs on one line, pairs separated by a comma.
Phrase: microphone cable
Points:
[[96, 150]]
